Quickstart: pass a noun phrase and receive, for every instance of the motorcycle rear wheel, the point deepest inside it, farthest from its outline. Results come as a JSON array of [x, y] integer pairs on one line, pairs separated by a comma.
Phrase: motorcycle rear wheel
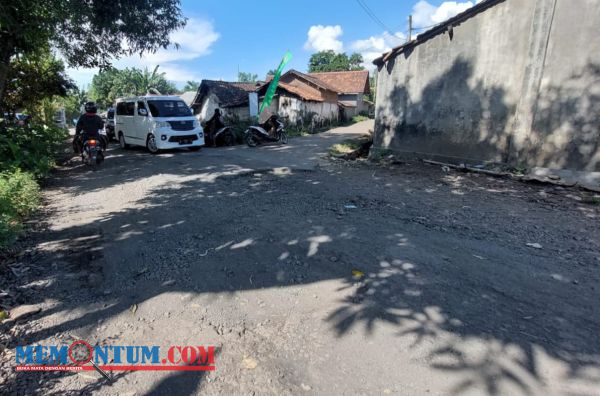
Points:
[[251, 140], [283, 138]]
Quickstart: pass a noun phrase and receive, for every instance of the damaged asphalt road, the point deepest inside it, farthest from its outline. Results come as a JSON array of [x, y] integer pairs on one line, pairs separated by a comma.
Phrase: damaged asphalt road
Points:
[[331, 279]]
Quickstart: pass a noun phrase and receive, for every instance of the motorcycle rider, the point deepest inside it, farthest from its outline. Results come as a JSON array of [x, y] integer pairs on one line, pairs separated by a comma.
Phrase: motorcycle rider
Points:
[[88, 127], [213, 125]]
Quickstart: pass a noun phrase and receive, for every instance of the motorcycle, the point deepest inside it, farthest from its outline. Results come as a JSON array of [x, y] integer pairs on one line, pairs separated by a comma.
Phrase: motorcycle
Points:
[[92, 154], [217, 133], [257, 134]]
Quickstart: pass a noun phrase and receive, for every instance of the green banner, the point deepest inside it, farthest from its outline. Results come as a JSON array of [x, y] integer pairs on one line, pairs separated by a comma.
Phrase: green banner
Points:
[[273, 85]]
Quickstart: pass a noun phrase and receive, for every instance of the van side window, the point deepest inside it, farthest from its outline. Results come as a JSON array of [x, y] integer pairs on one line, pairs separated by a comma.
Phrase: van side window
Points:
[[130, 109], [141, 105], [121, 108]]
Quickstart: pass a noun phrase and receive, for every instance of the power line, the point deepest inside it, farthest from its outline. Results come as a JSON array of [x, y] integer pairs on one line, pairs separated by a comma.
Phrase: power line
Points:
[[425, 27], [374, 17]]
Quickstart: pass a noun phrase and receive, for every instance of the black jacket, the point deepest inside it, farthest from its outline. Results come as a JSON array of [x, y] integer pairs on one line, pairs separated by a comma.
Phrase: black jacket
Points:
[[89, 124]]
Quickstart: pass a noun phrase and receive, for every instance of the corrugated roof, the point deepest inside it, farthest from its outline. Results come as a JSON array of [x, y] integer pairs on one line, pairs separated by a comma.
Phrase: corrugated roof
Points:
[[437, 30], [345, 82]]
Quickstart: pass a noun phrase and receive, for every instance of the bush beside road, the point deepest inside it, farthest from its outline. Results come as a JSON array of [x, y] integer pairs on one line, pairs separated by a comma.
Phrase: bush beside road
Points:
[[27, 154]]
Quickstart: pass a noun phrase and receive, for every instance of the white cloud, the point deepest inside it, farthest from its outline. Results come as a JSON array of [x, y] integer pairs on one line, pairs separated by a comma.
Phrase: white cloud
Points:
[[374, 46], [322, 38], [195, 40], [425, 14]]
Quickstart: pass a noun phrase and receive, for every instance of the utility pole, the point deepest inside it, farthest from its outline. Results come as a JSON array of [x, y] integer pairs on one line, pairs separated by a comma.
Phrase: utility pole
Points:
[[410, 29]]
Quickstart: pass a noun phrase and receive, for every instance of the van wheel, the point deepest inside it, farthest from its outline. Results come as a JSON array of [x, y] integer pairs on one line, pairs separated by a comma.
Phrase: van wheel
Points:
[[122, 141], [151, 144]]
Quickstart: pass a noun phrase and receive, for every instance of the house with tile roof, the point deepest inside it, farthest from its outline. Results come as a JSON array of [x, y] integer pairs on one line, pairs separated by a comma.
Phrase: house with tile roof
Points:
[[303, 100], [351, 87]]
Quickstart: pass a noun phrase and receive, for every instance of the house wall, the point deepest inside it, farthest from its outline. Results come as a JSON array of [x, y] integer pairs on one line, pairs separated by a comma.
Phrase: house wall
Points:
[[211, 102], [358, 99], [269, 111], [240, 113], [207, 109], [307, 113], [517, 83]]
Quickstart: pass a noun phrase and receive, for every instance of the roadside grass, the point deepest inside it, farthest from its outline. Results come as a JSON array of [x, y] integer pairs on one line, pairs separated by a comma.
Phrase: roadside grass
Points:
[[348, 146], [359, 118]]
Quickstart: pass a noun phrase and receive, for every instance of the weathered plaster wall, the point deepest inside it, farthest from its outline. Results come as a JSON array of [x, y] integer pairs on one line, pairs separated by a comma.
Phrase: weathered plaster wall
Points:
[[517, 83], [307, 113]]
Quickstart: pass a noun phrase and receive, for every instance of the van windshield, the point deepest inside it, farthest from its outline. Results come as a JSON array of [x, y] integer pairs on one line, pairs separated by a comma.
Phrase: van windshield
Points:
[[169, 108]]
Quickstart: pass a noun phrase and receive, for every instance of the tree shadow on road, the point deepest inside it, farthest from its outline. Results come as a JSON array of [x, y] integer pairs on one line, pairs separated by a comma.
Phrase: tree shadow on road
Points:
[[493, 307]]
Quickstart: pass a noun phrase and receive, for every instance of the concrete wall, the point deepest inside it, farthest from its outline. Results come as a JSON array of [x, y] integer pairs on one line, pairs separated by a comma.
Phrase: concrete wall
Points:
[[518, 83]]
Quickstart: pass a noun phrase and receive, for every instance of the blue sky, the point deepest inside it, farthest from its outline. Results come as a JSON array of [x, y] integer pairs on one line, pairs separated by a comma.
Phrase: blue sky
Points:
[[222, 36]]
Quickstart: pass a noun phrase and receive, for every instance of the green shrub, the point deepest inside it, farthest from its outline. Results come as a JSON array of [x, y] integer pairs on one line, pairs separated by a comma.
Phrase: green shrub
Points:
[[27, 153], [19, 197], [30, 148], [359, 118]]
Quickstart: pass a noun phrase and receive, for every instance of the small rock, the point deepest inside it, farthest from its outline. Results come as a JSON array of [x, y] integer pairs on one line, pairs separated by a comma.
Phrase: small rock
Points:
[[24, 311], [305, 387], [333, 259], [249, 363], [575, 282], [534, 245]]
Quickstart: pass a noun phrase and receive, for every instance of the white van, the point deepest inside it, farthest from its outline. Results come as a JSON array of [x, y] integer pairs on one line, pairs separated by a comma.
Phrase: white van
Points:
[[157, 123]]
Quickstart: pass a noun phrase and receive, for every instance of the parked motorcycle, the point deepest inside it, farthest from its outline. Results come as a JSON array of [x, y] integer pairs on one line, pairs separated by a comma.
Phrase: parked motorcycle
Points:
[[217, 133], [271, 130], [92, 154]]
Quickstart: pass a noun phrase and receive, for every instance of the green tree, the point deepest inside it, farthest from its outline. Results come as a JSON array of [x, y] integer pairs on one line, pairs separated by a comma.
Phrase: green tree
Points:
[[191, 86], [87, 33], [102, 87], [247, 77], [32, 78], [326, 61], [151, 82], [112, 83], [355, 62]]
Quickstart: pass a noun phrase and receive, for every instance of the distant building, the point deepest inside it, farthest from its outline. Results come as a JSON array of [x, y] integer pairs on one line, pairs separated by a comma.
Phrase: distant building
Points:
[[351, 87], [230, 97], [302, 100]]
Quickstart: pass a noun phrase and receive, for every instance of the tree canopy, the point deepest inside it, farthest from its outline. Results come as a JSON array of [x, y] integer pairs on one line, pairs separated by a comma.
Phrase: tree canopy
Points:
[[32, 78], [112, 83], [87, 33], [247, 77], [326, 61], [191, 86]]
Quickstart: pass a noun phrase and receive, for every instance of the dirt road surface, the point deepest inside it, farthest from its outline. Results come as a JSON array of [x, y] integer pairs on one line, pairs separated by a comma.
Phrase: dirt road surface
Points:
[[311, 276]]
